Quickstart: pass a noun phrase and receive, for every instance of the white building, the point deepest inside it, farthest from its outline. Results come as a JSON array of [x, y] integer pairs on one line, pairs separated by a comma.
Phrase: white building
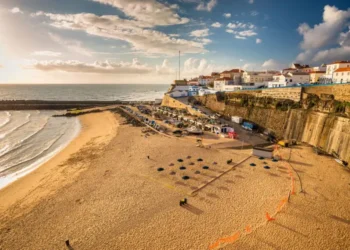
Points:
[[287, 70], [253, 76], [192, 82], [299, 77], [341, 75], [219, 84], [204, 80], [230, 88], [331, 68], [234, 74], [178, 93], [202, 92], [289, 79]]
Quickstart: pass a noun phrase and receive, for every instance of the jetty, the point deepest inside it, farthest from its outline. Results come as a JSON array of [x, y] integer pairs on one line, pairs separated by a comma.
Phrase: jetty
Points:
[[61, 105]]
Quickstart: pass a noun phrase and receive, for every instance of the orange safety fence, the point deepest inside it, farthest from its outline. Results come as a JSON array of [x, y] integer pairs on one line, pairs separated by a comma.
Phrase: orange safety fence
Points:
[[229, 239], [281, 204], [248, 229], [268, 217], [293, 185]]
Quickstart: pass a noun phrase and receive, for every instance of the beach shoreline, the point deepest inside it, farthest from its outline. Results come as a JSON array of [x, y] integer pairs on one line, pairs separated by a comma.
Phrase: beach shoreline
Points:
[[98, 128], [122, 191]]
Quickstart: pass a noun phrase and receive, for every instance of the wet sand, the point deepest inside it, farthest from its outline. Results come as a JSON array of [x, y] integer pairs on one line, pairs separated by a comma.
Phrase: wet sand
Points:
[[119, 200], [97, 129]]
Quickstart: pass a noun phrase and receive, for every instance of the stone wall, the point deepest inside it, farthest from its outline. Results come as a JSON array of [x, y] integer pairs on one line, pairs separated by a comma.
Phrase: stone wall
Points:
[[323, 129], [212, 102], [171, 102], [293, 93], [341, 92], [168, 101]]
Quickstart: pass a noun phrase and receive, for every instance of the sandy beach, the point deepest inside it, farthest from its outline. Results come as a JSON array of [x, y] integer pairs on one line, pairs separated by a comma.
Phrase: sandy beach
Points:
[[97, 129], [105, 191]]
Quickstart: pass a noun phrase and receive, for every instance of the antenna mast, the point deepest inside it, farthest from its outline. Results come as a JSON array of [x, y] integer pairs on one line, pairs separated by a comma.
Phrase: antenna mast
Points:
[[179, 65]]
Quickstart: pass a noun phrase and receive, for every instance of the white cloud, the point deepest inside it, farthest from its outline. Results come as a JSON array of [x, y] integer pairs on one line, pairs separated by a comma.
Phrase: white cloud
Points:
[[227, 15], [204, 40], [232, 26], [324, 35], [334, 54], [216, 25], [230, 31], [46, 53], [254, 13], [247, 33], [142, 40], [151, 12], [251, 1], [327, 32], [174, 35], [200, 33], [240, 25], [196, 67], [165, 69], [258, 40], [16, 10], [344, 39], [134, 67], [240, 37], [72, 45], [207, 6], [272, 64]]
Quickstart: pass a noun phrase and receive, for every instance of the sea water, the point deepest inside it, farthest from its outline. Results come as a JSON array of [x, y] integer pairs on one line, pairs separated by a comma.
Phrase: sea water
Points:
[[83, 92], [30, 138]]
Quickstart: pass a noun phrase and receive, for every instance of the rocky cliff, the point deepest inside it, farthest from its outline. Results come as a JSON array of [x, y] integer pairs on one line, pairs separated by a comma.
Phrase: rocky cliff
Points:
[[319, 119]]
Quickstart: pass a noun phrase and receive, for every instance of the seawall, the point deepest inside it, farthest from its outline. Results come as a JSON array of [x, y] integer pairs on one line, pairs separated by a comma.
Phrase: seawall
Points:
[[319, 116]]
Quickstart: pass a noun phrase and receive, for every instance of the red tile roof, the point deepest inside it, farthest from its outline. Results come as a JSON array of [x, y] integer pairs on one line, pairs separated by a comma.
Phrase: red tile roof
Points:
[[233, 71], [343, 70]]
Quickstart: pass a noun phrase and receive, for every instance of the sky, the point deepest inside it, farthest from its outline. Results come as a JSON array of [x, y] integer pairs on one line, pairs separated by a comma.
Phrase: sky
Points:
[[138, 41]]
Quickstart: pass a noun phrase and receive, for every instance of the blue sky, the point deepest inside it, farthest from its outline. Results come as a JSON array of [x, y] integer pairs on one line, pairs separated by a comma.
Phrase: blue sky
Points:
[[136, 41]]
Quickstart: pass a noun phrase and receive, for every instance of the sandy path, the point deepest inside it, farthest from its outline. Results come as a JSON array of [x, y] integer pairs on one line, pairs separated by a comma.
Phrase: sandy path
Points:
[[22, 195], [122, 202]]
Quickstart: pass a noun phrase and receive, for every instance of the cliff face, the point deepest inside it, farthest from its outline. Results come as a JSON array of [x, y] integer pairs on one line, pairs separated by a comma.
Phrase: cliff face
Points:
[[328, 131], [323, 129]]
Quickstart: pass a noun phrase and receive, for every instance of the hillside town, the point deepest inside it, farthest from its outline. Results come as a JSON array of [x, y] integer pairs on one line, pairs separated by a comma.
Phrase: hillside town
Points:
[[297, 75]]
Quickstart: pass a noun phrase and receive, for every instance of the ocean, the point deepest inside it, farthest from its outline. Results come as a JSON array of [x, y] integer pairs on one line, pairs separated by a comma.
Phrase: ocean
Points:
[[83, 92], [30, 138]]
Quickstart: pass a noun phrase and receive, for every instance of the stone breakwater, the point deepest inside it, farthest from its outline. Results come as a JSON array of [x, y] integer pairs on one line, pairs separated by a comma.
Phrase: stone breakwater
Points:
[[60, 105]]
